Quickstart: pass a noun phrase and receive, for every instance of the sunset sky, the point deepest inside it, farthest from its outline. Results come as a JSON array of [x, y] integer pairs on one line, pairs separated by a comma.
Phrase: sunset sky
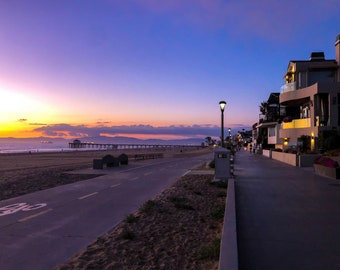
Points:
[[150, 68]]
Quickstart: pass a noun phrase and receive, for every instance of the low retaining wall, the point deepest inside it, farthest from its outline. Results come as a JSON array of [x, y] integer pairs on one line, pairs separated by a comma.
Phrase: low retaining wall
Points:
[[293, 159], [285, 157], [326, 171], [266, 153], [228, 249]]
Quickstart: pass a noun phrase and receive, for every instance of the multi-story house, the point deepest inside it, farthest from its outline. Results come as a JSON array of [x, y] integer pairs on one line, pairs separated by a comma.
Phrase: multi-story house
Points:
[[311, 97], [266, 131]]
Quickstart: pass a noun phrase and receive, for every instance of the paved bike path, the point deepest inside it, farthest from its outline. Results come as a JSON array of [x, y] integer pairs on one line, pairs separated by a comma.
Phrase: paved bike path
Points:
[[287, 217]]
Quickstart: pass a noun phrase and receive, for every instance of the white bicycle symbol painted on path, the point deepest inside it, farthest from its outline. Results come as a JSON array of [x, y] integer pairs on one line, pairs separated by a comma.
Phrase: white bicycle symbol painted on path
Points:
[[13, 208]]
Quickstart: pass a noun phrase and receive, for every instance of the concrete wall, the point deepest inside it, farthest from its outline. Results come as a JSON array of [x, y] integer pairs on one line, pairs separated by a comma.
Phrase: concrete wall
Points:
[[266, 153], [285, 157], [291, 159]]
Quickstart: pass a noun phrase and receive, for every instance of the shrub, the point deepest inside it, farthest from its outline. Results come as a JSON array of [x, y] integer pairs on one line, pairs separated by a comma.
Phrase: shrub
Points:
[[181, 203], [210, 251], [332, 142], [131, 218], [148, 206], [218, 211], [129, 235], [220, 184], [222, 194], [327, 162]]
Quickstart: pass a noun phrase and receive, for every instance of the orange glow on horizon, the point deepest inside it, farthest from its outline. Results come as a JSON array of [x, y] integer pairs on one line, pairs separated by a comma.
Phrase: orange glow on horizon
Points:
[[148, 136]]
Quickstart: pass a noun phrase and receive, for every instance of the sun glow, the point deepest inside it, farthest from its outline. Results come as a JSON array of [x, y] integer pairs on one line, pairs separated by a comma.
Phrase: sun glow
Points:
[[19, 113]]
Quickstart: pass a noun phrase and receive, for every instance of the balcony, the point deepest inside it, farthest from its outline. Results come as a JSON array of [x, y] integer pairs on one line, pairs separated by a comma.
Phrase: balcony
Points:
[[288, 87], [297, 123]]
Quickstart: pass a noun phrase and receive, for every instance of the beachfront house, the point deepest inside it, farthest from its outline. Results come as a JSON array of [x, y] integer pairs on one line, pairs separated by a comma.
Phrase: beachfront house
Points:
[[311, 98], [267, 129]]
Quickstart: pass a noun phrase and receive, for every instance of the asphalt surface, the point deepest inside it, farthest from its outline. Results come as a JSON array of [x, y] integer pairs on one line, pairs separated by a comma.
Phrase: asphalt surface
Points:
[[287, 217], [43, 229]]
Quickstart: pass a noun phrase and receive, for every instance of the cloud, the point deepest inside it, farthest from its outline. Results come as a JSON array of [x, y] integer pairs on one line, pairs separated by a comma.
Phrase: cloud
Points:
[[37, 124], [22, 120], [81, 131]]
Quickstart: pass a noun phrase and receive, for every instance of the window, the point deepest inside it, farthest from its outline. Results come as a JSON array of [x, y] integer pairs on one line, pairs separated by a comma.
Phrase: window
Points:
[[271, 132]]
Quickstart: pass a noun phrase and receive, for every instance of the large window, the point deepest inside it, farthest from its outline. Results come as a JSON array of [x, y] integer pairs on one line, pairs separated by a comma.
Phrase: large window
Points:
[[271, 132]]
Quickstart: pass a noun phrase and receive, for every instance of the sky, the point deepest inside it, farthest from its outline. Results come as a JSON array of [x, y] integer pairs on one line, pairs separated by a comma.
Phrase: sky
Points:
[[150, 68]]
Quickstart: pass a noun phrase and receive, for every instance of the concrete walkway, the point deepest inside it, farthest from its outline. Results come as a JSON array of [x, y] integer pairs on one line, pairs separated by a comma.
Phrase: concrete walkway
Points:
[[287, 217]]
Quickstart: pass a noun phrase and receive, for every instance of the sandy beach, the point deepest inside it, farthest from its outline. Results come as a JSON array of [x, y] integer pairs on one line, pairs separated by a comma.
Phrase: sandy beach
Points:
[[24, 173], [179, 229]]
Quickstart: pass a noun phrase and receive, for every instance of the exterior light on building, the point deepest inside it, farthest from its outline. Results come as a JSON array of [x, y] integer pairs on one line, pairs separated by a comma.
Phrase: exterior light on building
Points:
[[312, 142], [285, 141]]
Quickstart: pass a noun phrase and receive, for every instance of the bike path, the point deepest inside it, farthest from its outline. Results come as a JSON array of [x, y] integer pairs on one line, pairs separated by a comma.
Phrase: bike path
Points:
[[287, 217]]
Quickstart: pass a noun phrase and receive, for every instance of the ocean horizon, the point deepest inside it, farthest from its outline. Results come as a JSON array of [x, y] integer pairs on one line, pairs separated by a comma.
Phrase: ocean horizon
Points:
[[44, 145]]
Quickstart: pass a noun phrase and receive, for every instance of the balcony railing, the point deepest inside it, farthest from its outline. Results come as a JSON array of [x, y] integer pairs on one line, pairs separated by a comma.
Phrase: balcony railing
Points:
[[288, 87], [297, 123]]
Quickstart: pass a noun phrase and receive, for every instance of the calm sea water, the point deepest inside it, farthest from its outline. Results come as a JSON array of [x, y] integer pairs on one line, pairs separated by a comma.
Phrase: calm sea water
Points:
[[6, 148], [34, 146], [21, 147]]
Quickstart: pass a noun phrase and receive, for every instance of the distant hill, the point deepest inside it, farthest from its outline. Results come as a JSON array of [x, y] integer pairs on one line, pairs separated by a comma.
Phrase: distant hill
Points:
[[131, 140]]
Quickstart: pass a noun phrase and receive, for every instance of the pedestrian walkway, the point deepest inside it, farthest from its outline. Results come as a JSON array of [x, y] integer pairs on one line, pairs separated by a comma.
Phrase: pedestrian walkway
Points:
[[287, 217]]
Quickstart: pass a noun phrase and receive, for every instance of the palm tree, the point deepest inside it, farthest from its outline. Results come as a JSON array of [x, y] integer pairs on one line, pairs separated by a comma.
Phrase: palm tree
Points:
[[208, 140], [264, 107]]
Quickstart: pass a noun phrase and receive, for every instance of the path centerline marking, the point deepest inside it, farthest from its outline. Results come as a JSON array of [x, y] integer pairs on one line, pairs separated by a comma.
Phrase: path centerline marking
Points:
[[88, 195], [35, 215]]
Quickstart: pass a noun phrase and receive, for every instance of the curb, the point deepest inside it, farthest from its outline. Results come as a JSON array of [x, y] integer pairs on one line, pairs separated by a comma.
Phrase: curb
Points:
[[228, 249]]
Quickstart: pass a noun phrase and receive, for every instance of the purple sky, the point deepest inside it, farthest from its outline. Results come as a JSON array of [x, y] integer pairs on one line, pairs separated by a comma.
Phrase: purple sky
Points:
[[84, 67]]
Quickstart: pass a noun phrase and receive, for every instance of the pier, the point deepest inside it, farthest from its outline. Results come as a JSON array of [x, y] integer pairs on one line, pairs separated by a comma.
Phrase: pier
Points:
[[109, 146]]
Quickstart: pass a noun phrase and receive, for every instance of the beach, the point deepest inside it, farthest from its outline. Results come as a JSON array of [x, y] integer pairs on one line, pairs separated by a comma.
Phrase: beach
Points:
[[179, 229], [23, 173]]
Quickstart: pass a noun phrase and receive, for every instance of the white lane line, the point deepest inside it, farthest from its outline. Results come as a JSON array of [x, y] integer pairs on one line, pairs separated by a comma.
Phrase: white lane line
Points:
[[35, 215], [135, 178], [88, 195], [115, 185], [186, 173], [148, 173]]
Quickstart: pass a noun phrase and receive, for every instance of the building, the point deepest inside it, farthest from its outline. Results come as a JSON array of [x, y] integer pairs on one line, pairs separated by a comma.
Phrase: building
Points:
[[266, 131], [311, 98]]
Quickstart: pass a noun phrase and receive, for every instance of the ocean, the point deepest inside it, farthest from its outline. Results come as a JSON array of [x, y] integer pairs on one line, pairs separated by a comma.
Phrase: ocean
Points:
[[32, 147], [37, 145]]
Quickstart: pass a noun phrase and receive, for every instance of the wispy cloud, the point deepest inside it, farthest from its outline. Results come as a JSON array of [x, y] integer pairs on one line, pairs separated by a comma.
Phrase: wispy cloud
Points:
[[37, 124]]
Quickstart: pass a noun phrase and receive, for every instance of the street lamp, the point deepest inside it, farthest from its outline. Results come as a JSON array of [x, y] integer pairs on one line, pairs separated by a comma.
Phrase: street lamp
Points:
[[222, 106]]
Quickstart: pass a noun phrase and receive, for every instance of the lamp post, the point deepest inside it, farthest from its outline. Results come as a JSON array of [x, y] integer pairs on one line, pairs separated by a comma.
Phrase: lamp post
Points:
[[222, 106]]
